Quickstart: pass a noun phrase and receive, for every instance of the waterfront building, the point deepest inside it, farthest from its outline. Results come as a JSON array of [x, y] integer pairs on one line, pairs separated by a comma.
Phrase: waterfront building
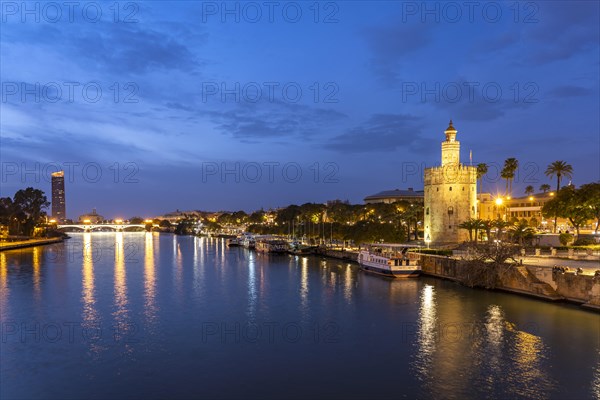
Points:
[[450, 194], [511, 209], [59, 212], [92, 217], [392, 196]]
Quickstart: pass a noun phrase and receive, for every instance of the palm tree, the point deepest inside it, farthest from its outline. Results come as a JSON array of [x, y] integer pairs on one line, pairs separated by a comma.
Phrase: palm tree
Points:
[[469, 226], [499, 225], [559, 169], [508, 172], [521, 231], [545, 187], [487, 225], [482, 169], [529, 190]]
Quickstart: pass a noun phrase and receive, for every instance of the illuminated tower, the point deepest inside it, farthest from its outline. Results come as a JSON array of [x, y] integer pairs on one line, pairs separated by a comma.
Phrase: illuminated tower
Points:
[[58, 196], [450, 194]]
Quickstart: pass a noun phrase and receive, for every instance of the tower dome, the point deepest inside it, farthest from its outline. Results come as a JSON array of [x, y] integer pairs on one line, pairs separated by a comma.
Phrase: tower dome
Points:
[[450, 133]]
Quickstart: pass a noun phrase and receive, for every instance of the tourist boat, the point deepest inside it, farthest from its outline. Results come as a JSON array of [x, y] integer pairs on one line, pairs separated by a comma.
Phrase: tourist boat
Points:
[[248, 241], [271, 245], [233, 242], [392, 260]]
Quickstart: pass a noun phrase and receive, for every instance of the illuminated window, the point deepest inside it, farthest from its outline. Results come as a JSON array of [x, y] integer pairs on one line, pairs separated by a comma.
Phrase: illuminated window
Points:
[[450, 210]]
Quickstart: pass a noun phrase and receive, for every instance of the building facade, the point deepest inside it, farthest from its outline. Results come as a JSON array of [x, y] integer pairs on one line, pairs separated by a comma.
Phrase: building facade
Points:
[[59, 209], [450, 194], [392, 196], [92, 217]]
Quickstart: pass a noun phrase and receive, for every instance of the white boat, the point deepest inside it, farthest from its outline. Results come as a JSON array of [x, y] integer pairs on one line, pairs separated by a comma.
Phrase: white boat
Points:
[[247, 241], [270, 244], [392, 260]]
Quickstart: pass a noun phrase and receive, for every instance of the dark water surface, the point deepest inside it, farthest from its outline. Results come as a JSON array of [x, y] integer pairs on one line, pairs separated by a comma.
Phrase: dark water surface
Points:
[[141, 315]]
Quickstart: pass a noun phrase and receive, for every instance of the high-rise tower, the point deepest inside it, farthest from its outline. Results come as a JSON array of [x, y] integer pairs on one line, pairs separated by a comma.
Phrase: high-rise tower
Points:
[[450, 194], [58, 196]]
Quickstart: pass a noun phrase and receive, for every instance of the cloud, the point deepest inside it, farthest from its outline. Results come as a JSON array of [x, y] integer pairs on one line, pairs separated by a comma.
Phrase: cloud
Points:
[[570, 91], [269, 120], [121, 49], [381, 133], [563, 30], [390, 45]]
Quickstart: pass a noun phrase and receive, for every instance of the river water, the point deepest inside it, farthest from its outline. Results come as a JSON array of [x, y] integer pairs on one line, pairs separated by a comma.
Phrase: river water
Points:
[[148, 315]]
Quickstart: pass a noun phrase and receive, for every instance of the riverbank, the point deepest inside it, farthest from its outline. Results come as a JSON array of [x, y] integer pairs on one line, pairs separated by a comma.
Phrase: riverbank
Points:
[[530, 280], [28, 243], [533, 281]]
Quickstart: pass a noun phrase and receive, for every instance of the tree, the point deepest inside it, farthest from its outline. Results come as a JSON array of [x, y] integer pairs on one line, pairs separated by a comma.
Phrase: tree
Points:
[[482, 169], [487, 225], [412, 215], [500, 225], [559, 169], [28, 208], [136, 220], [529, 190], [569, 203], [590, 195], [257, 217], [472, 225], [508, 172], [520, 232], [545, 187]]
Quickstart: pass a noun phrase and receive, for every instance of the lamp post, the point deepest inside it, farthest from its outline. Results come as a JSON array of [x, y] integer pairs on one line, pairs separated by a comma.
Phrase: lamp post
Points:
[[499, 201]]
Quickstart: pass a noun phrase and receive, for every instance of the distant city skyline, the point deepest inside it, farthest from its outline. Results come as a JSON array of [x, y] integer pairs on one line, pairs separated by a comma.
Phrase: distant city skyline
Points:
[[207, 110]]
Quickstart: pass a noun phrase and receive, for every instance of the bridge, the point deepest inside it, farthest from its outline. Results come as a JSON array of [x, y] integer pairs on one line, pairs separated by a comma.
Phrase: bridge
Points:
[[95, 227]]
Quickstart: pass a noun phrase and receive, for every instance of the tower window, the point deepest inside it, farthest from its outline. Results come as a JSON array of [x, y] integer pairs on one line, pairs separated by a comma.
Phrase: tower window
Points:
[[463, 188], [450, 188], [427, 211], [450, 210], [437, 189], [449, 226]]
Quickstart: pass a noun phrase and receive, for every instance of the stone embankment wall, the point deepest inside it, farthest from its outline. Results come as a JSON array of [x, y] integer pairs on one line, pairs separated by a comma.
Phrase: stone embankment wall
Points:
[[534, 281]]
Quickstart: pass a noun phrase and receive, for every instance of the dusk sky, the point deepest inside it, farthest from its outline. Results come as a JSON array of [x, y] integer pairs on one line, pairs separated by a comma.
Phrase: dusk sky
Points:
[[354, 96]]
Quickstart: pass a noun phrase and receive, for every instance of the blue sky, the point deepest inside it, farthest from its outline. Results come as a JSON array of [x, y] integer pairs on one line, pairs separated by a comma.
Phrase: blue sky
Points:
[[153, 106]]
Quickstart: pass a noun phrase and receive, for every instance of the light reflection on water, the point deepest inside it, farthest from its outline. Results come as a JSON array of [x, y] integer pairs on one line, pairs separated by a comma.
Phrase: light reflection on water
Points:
[[435, 338], [150, 308]]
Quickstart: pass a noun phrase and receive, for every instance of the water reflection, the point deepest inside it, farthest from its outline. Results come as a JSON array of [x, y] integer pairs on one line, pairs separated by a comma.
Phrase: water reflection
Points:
[[120, 286], [37, 265], [4, 288], [304, 306], [426, 332], [90, 315], [252, 291], [150, 308], [596, 383], [494, 329]]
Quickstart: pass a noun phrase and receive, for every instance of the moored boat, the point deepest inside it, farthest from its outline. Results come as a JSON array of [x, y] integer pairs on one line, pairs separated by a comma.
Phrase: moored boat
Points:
[[271, 245], [392, 260], [233, 242]]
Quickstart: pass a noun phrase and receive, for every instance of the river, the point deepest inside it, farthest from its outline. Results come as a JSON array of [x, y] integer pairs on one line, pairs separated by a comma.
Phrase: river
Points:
[[149, 315]]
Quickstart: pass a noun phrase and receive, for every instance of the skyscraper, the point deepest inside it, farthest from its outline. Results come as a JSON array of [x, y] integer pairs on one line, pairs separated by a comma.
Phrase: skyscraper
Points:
[[58, 196]]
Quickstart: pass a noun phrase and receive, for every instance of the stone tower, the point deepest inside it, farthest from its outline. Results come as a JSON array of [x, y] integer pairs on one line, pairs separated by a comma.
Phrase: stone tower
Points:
[[450, 194]]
